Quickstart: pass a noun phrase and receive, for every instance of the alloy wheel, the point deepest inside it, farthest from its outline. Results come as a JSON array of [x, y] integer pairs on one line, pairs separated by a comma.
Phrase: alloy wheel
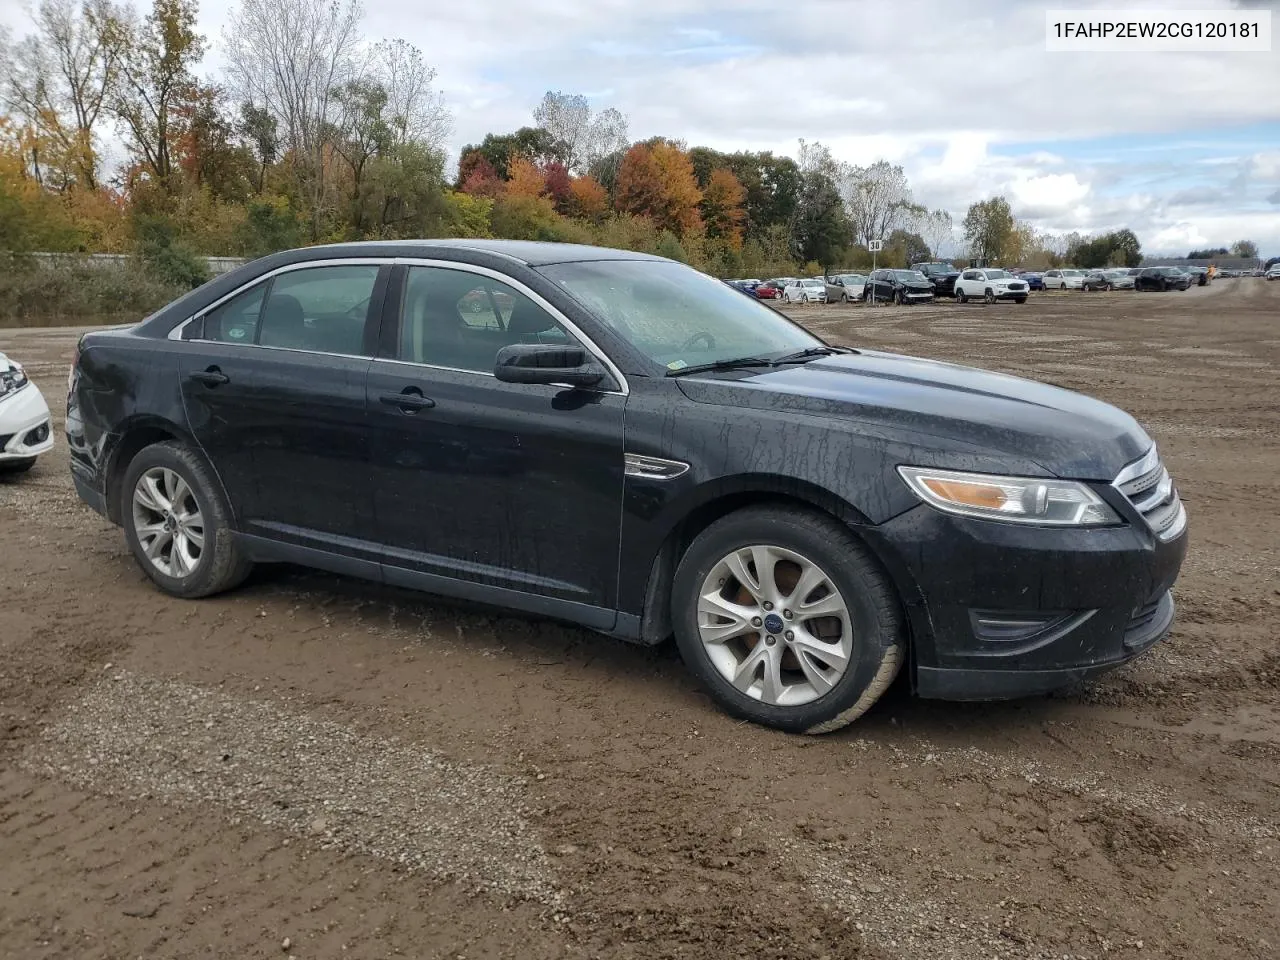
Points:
[[168, 522], [774, 625]]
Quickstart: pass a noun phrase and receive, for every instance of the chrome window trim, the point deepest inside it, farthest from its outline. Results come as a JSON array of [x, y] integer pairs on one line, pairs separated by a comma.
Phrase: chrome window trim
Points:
[[176, 332], [624, 389]]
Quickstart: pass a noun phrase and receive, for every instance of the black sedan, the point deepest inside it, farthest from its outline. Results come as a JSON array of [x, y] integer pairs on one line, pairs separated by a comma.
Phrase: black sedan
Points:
[[900, 286], [1161, 278], [619, 441]]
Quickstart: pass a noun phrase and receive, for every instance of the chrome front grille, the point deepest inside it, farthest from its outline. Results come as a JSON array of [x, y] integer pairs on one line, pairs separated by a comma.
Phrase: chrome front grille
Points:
[[1147, 485]]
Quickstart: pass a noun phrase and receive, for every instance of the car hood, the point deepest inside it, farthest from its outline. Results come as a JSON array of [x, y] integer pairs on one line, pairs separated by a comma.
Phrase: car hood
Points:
[[1016, 420]]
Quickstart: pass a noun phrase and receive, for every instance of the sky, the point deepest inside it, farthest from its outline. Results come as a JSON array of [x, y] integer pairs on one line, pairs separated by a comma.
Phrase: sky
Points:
[[1182, 148]]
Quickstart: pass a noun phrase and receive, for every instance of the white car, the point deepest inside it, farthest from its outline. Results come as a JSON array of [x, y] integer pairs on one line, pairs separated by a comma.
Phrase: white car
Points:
[[990, 285], [25, 428], [1063, 279], [813, 290], [1274, 272]]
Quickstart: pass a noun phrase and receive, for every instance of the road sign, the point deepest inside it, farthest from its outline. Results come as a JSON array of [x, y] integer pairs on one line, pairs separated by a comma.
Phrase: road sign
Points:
[[875, 246]]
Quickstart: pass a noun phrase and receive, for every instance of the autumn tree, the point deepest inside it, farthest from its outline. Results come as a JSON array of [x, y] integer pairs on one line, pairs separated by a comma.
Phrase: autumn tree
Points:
[[657, 181], [722, 212], [477, 176], [525, 179], [589, 200], [57, 81], [206, 147], [559, 185]]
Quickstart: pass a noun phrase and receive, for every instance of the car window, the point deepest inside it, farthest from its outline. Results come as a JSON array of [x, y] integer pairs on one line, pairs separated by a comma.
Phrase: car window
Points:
[[319, 308], [458, 319], [236, 321]]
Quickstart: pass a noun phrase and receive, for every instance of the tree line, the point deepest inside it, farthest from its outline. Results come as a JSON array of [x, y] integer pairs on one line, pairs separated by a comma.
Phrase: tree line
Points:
[[317, 133]]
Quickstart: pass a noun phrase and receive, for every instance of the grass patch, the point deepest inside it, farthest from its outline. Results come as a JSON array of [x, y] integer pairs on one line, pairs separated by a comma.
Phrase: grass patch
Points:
[[73, 290]]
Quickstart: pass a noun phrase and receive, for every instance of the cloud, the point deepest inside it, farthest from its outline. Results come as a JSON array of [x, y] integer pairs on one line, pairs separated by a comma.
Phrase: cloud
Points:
[[1274, 197]]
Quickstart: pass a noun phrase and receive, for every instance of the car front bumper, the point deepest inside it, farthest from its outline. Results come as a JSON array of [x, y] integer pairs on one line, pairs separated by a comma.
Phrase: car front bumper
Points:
[[1000, 610], [1011, 294], [26, 429]]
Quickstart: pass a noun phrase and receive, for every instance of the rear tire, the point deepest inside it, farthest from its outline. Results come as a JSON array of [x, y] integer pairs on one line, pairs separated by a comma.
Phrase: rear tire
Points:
[[161, 486], [813, 693], [17, 466]]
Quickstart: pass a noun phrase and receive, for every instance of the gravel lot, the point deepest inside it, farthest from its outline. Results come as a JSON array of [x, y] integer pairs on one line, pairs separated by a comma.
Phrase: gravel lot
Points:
[[317, 767]]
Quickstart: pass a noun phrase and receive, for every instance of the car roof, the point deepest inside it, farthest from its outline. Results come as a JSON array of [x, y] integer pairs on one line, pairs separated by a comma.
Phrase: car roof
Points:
[[533, 253]]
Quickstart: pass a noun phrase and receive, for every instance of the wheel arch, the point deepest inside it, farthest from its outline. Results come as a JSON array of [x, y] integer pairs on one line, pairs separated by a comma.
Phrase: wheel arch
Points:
[[718, 499], [136, 435]]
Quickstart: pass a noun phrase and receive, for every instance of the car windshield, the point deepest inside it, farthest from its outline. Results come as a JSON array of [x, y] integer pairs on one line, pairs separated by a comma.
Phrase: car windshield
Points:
[[851, 277], [909, 275], [937, 268], [675, 315], [1073, 273], [813, 283], [998, 275]]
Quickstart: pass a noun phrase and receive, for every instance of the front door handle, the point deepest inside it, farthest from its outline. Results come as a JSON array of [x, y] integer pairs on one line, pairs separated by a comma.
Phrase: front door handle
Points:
[[212, 377], [411, 401]]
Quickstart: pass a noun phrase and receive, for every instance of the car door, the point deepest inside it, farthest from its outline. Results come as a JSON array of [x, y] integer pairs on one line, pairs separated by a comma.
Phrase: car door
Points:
[[480, 484], [273, 381]]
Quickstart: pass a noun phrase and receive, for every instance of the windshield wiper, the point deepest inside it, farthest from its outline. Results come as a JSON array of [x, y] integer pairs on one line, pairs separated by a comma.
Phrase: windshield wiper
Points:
[[809, 353], [734, 364]]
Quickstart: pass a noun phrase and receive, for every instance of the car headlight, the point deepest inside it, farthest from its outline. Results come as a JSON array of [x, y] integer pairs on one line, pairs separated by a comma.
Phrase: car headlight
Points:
[[1034, 500], [13, 380]]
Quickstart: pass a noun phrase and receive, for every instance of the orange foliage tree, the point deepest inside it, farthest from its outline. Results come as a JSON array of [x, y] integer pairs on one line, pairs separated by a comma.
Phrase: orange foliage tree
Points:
[[722, 210], [588, 199], [657, 181]]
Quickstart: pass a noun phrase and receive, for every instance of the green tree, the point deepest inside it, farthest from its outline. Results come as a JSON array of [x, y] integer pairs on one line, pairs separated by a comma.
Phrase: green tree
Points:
[[989, 228], [820, 230], [1245, 248]]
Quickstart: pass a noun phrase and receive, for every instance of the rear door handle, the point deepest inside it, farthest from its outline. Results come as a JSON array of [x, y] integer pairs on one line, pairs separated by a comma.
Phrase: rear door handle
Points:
[[212, 377], [408, 402]]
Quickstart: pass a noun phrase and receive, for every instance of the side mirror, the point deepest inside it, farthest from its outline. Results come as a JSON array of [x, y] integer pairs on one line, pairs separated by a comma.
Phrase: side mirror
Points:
[[547, 363]]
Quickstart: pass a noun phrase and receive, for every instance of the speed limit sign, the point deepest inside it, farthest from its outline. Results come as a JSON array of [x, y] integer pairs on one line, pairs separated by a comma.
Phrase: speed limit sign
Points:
[[875, 246]]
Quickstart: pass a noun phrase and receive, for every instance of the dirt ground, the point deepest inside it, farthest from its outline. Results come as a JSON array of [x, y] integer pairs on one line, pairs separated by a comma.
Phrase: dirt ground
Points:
[[315, 767]]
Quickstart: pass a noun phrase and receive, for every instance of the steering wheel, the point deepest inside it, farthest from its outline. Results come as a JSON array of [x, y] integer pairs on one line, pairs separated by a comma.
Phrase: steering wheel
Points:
[[702, 335]]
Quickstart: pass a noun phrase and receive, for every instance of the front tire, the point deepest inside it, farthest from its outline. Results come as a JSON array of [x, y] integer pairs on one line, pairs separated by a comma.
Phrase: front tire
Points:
[[962, 296], [787, 619], [902, 298], [178, 524], [989, 297]]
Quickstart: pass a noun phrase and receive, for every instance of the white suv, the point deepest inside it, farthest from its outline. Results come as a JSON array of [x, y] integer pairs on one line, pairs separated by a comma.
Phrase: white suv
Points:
[[1274, 272], [991, 285], [1064, 279]]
